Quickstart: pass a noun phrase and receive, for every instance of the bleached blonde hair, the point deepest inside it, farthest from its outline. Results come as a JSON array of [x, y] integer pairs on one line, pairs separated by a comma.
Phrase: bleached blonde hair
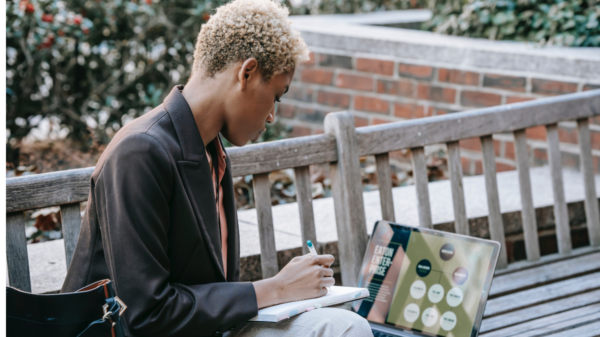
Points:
[[243, 29]]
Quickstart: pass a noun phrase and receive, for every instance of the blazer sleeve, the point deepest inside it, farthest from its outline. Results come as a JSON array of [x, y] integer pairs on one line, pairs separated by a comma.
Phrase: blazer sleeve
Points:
[[132, 195]]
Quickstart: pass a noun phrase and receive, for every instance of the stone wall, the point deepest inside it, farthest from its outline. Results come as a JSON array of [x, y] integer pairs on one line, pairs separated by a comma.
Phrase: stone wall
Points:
[[384, 74]]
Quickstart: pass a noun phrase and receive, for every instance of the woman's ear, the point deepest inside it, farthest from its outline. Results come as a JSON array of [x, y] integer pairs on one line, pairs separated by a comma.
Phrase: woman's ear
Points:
[[248, 71]]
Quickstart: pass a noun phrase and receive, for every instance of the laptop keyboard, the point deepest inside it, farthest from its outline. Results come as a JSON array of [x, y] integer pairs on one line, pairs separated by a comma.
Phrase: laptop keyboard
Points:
[[377, 333]]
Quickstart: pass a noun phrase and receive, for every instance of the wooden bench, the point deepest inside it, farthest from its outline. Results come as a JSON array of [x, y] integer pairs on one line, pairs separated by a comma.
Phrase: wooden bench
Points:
[[544, 295]]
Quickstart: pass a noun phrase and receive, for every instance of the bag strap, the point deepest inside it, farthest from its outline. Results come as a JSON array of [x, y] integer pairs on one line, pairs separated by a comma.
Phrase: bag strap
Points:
[[112, 310]]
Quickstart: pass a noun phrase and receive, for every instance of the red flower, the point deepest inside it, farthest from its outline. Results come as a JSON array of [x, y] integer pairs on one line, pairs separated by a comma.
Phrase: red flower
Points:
[[149, 2], [77, 19], [47, 17], [85, 30], [206, 16], [29, 8]]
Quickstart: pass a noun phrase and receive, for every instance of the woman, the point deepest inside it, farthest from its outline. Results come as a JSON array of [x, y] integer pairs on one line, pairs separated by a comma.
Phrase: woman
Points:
[[161, 216]]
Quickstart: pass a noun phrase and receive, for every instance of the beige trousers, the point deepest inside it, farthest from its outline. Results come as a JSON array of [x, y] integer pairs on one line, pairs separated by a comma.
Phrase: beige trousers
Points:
[[321, 322]]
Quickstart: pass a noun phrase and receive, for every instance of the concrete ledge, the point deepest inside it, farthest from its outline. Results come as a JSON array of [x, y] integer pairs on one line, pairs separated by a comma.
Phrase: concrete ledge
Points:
[[47, 260], [355, 34]]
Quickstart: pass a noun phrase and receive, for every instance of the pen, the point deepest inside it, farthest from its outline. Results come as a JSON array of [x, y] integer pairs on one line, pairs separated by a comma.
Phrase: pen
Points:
[[311, 247]]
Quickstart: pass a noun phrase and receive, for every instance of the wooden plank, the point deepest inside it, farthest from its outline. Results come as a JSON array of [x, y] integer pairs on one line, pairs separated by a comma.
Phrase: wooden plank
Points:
[[262, 199], [493, 200], [305, 207], [461, 224], [532, 328], [281, 154], [421, 186], [542, 294], [475, 123], [561, 216], [525, 265], [545, 274], [560, 324], [587, 170], [384, 180], [347, 197], [71, 225], [16, 252], [532, 245], [66, 187], [538, 311], [47, 189], [588, 330]]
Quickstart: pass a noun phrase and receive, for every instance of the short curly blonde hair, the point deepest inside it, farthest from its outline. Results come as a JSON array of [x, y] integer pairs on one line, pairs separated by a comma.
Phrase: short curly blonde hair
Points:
[[243, 29]]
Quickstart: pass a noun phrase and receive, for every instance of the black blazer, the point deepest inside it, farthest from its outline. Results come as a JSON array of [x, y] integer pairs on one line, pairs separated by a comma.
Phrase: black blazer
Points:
[[151, 227]]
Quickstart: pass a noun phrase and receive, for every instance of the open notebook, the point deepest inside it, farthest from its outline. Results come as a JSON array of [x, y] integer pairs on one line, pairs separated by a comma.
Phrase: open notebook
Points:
[[335, 296]]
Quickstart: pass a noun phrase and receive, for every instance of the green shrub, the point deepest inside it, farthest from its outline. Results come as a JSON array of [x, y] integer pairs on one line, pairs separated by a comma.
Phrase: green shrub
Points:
[[545, 22]]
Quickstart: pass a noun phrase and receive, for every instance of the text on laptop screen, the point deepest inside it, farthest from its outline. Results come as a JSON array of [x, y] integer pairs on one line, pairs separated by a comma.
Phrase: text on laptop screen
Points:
[[423, 282]]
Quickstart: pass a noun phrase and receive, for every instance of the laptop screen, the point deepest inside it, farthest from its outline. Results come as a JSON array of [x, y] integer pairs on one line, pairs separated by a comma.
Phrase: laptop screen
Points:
[[426, 281]]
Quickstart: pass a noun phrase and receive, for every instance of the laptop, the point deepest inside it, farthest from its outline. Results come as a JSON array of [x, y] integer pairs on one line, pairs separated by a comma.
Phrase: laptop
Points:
[[425, 282]]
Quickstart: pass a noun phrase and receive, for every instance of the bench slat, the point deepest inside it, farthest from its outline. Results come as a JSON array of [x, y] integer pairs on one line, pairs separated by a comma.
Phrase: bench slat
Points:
[[540, 310], [384, 181], [421, 186], [571, 325], [16, 252], [461, 224], [561, 217], [491, 190], [546, 259], [532, 246], [347, 197], [545, 274], [542, 294], [587, 169], [587, 330], [305, 207], [476, 123], [532, 328], [262, 199], [71, 225]]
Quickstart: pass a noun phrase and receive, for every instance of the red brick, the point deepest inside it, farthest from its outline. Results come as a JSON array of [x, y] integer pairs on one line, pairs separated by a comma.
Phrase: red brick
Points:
[[547, 87], [334, 99], [377, 121], [567, 135], [317, 76], [591, 87], [436, 94], [458, 76], [479, 99], [371, 104], [375, 66], [536, 132], [595, 140], [517, 99], [512, 83], [509, 150], [478, 167], [466, 165], [595, 120], [319, 131], [400, 88], [360, 122], [501, 167], [285, 110], [408, 111], [363, 83], [540, 155], [415, 71], [299, 131], [470, 144], [438, 112]]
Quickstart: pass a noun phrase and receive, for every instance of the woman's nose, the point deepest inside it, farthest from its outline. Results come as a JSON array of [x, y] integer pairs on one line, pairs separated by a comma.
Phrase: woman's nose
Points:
[[271, 117]]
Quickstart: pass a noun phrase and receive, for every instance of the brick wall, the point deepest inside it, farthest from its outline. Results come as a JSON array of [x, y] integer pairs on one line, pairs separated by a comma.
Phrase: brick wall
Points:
[[379, 89]]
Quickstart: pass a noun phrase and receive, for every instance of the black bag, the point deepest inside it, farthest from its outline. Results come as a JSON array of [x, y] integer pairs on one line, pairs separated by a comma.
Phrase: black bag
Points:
[[92, 311]]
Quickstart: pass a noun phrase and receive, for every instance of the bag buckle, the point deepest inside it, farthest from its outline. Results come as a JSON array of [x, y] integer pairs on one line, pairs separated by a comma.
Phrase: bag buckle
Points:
[[107, 313]]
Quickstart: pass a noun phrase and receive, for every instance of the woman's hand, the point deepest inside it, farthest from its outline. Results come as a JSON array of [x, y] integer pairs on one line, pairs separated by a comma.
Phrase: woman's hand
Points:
[[304, 277]]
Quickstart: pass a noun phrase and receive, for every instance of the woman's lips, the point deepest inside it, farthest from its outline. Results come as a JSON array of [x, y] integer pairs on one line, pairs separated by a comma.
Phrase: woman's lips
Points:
[[258, 136]]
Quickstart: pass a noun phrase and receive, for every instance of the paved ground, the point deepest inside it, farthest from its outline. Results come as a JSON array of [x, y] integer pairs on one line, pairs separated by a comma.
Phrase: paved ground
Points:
[[47, 260]]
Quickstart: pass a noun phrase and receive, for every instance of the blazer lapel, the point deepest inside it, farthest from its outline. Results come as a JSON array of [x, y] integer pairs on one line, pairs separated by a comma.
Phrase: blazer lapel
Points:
[[233, 235], [195, 172]]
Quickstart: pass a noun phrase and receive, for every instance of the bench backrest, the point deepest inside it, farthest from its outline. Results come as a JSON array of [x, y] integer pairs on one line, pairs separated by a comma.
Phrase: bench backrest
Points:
[[341, 146]]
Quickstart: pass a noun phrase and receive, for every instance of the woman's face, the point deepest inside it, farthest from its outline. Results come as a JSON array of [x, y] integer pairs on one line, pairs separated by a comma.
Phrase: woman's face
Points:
[[253, 105]]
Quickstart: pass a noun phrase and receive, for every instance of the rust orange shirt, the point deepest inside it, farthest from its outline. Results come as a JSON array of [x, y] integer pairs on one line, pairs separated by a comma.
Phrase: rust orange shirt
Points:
[[219, 203]]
